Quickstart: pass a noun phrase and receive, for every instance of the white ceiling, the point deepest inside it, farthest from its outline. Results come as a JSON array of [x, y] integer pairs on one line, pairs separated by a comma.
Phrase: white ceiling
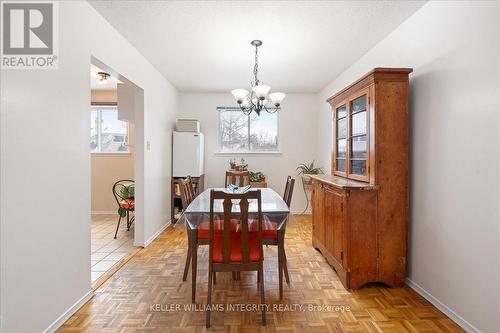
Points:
[[204, 46]]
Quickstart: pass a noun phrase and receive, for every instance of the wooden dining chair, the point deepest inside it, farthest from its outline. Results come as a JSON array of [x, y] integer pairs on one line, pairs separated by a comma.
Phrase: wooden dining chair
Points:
[[239, 178], [274, 234], [186, 192], [192, 189], [196, 235], [231, 251]]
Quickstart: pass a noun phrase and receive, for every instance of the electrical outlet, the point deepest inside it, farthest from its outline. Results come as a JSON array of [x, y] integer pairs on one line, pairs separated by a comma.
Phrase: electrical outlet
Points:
[[148, 146]]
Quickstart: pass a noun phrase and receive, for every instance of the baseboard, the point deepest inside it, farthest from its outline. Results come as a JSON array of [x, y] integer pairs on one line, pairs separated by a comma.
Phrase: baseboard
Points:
[[152, 238], [104, 212], [442, 307], [68, 313]]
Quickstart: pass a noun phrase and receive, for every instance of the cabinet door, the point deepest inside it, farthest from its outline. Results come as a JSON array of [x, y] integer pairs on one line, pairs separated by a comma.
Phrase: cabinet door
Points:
[[358, 134], [329, 217], [338, 228], [317, 213], [340, 130], [334, 223]]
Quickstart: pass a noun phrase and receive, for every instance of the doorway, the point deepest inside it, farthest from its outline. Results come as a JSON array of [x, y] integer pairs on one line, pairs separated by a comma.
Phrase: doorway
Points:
[[112, 145]]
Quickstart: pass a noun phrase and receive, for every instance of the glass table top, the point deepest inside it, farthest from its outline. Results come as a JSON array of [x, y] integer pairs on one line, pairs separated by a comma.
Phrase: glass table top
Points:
[[272, 202]]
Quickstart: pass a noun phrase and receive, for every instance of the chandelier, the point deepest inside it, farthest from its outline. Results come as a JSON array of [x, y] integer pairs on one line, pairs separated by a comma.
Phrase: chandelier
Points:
[[259, 99]]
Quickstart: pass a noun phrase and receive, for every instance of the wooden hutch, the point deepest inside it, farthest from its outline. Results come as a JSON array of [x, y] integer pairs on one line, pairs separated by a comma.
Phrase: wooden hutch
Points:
[[360, 211]]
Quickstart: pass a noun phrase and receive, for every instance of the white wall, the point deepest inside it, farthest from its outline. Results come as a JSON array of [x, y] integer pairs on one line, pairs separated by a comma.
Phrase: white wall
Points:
[[455, 125], [297, 140], [45, 168]]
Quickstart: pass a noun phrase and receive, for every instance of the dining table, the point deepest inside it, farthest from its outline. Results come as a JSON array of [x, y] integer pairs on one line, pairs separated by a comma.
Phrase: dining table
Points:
[[273, 207]]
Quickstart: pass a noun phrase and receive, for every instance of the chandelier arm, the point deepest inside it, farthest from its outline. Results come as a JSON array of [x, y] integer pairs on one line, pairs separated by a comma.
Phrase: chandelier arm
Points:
[[272, 110], [247, 111], [252, 104]]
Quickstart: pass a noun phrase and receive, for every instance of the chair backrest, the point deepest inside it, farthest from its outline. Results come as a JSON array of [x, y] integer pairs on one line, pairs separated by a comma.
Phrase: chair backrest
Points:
[[122, 190], [240, 178], [192, 190], [186, 192], [287, 195], [227, 232]]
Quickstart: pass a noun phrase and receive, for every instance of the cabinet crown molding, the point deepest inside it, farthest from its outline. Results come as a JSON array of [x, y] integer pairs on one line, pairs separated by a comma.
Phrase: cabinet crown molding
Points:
[[375, 75]]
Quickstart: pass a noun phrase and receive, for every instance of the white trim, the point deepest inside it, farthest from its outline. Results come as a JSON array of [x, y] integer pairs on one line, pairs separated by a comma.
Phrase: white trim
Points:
[[442, 307], [105, 212], [68, 313], [98, 153], [238, 153], [152, 238]]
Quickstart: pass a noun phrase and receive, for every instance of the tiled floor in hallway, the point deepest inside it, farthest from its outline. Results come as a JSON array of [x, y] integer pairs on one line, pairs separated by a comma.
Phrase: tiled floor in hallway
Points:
[[107, 251]]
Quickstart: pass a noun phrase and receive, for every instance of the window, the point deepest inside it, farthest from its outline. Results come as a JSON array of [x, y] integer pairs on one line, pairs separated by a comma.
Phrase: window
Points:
[[240, 133], [107, 133]]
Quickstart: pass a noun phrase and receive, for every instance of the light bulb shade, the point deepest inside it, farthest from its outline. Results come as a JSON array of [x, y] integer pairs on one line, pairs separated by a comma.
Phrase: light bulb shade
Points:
[[240, 94], [245, 103], [261, 91], [276, 98]]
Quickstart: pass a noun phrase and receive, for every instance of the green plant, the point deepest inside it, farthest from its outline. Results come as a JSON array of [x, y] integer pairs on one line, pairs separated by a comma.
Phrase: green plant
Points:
[[126, 192], [243, 165], [257, 176], [232, 164], [305, 168]]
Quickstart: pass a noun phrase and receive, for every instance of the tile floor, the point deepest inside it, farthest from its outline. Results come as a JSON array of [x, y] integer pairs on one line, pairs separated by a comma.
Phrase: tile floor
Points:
[[107, 251]]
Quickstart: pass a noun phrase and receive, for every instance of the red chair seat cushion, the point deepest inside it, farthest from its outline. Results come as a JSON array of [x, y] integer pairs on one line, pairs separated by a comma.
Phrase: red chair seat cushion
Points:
[[128, 203], [204, 227], [236, 254], [269, 228]]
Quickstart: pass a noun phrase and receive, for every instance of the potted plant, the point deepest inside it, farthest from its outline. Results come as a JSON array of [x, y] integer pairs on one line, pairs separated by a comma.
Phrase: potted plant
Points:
[[305, 170], [243, 166], [257, 179], [232, 164], [127, 193]]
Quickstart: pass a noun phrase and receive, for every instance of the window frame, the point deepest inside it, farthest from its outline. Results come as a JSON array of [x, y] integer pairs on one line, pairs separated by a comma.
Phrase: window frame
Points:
[[100, 107], [220, 151]]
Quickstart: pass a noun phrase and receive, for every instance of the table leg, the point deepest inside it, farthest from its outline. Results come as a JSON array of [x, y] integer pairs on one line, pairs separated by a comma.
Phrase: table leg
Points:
[[188, 257]]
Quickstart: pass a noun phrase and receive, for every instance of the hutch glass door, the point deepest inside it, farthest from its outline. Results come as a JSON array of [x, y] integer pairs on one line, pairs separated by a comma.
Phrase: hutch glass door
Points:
[[358, 137], [341, 126]]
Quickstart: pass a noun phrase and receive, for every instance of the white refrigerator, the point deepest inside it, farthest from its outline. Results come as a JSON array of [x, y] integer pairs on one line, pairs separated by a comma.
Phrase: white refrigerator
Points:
[[188, 154]]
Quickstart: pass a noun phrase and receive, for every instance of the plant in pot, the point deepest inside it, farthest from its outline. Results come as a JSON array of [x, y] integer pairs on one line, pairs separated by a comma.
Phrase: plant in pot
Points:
[[306, 169], [257, 179], [232, 164], [243, 166], [127, 194]]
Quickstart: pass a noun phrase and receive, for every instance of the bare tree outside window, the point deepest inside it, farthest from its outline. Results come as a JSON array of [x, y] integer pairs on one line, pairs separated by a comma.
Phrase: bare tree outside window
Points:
[[241, 133]]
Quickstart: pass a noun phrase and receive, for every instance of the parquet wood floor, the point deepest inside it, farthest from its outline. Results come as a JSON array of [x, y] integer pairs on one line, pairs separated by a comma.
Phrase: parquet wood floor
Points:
[[143, 294]]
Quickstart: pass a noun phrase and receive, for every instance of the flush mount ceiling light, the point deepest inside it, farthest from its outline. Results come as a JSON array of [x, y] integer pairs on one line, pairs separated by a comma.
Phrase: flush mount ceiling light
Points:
[[259, 99], [103, 77]]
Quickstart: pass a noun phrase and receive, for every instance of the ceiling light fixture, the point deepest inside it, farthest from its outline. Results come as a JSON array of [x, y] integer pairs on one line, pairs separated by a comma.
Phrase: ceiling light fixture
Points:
[[257, 100], [103, 77]]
